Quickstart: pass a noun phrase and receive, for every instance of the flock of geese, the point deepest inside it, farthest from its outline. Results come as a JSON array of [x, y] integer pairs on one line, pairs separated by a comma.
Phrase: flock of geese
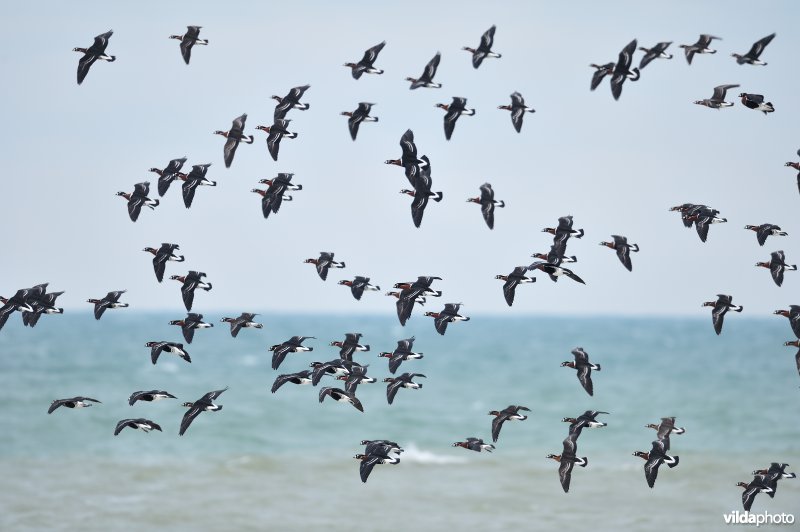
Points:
[[36, 301]]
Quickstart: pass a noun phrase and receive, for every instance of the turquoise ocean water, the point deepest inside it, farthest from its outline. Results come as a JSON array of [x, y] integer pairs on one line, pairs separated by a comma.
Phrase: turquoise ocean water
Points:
[[284, 461]]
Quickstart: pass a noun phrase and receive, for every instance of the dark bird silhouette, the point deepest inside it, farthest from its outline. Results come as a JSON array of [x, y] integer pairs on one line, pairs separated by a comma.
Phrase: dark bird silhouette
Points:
[[700, 47], [777, 265], [622, 70], [196, 178], [509, 413], [290, 101], [717, 100], [455, 109], [484, 49], [161, 256], [723, 304], [234, 136], [138, 199], [188, 325], [765, 230], [324, 263], [110, 301], [656, 52], [426, 79], [168, 174], [487, 203], [245, 320], [512, 280], [518, 110], [366, 63], [96, 51], [623, 249], [583, 367], [275, 133], [361, 114], [752, 56], [188, 40], [567, 461], [204, 404]]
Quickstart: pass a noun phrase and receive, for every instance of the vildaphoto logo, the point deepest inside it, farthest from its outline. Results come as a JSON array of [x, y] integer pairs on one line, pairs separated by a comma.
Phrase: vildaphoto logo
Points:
[[749, 518]]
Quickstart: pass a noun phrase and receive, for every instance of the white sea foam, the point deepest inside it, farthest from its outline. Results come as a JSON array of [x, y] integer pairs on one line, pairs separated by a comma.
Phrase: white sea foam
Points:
[[414, 454]]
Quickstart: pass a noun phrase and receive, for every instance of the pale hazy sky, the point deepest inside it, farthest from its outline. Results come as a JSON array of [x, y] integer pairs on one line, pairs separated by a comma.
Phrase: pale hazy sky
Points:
[[615, 166]]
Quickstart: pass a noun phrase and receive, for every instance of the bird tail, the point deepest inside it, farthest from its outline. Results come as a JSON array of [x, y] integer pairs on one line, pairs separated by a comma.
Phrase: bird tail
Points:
[[585, 461], [501, 204], [597, 367], [738, 309], [208, 287], [580, 234], [674, 462], [439, 196]]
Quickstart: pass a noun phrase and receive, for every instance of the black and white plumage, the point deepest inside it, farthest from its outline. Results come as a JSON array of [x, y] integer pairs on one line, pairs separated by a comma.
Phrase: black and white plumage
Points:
[[756, 102], [168, 174], [484, 49], [717, 100], [723, 304], [191, 282], [454, 110], [487, 203], [370, 459], [292, 345], [623, 249], [752, 56], [361, 114], [365, 66], [138, 199], [656, 52], [42, 302], [563, 231], [204, 404], [766, 230], [402, 352], [759, 484], [149, 396], [586, 420], [156, 348], [422, 192], [16, 302], [518, 110], [275, 133], [584, 368], [358, 285], [408, 160], [245, 320], [188, 40], [567, 461], [448, 315], [335, 368], [777, 265], [72, 402], [600, 72], [234, 136], [700, 47], [161, 256], [96, 51], [426, 79], [512, 280], [195, 178], [772, 475], [324, 263], [341, 396], [509, 413], [702, 217], [275, 195], [300, 378], [555, 271], [410, 293], [654, 459], [350, 345], [290, 101], [188, 325], [475, 444], [357, 375], [402, 381], [111, 300], [622, 70], [145, 425]]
